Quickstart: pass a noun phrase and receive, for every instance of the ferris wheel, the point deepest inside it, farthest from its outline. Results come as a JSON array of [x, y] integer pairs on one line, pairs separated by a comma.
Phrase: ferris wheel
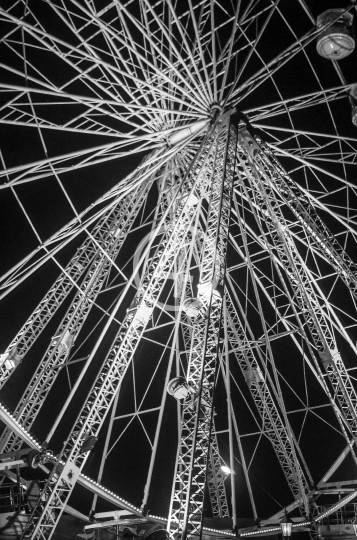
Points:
[[179, 281]]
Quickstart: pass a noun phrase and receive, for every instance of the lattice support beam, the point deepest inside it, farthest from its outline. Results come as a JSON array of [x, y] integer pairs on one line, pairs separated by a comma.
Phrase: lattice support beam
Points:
[[215, 480], [263, 194], [101, 396], [318, 233], [110, 237], [69, 277], [275, 430], [186, 510]]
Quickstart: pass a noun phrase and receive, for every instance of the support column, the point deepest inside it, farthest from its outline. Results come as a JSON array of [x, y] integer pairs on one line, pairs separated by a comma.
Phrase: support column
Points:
[[186, 510]]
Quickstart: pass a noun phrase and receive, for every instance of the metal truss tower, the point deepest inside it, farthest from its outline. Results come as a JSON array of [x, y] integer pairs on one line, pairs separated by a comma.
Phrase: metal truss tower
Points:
[[202, 312]]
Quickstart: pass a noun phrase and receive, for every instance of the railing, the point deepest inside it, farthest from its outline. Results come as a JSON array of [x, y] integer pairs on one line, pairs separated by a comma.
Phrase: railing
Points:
[[344, 515], [12, 498]]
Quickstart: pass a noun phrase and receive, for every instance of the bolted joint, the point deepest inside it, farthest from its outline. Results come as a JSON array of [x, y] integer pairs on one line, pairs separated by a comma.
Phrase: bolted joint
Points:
[[326, 358], [247, 141], [253, 376], [11, 359]]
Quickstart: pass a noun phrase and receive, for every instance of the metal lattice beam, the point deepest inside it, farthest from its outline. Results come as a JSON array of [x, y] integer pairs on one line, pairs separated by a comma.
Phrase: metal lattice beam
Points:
[[191, 467], [262, 192]]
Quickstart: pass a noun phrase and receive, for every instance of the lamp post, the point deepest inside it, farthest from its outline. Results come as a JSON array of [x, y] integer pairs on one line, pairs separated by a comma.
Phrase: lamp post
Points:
[[286, 526]]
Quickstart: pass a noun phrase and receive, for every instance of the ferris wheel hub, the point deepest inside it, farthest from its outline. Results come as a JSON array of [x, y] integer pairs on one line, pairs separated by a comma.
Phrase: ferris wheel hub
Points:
[[215, 111]]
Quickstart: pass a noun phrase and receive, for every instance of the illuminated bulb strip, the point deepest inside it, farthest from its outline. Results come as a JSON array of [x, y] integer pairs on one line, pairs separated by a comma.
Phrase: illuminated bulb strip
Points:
[[338, 505], [220, 533], [34, 443], [25, 435], [261, 531], [112, 494], [275, 529], [151, 516]]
